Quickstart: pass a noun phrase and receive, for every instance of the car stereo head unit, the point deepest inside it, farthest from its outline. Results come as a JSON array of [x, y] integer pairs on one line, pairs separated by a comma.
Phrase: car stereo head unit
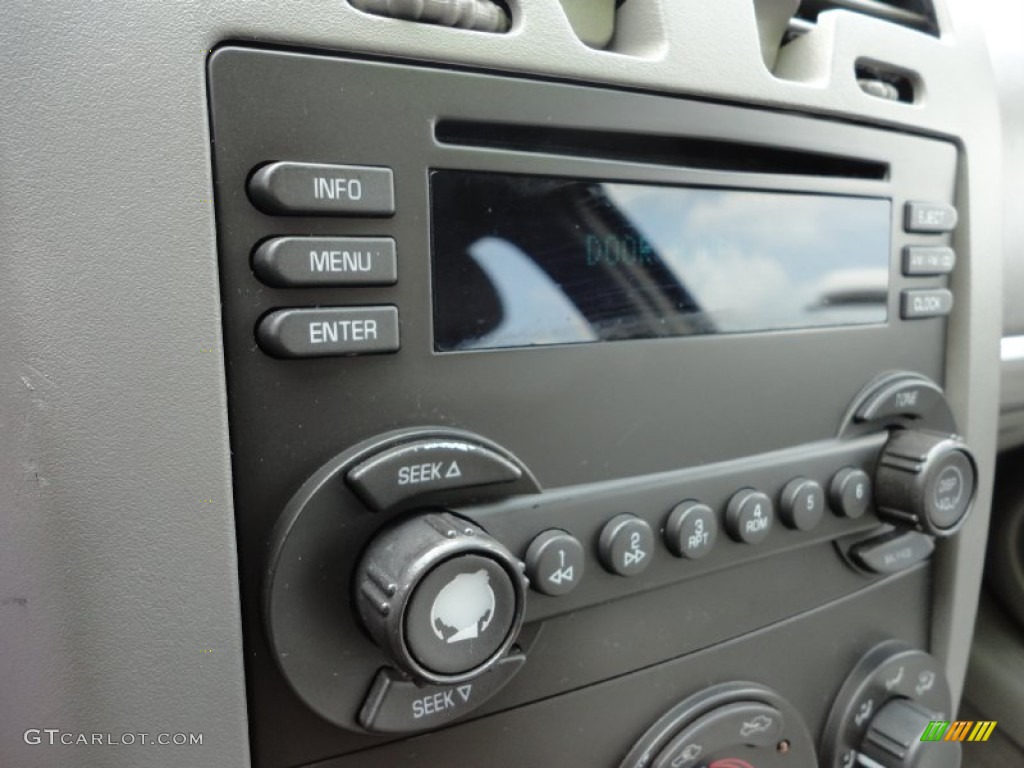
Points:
[[459, 503]]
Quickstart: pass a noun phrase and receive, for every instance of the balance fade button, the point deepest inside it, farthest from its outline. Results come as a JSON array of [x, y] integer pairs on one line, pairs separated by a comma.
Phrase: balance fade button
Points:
[[893, 552], [626, 545], [929, 218], [850, 492], [925, 302], [802, 504], [329, 332], [424, 466], [924, 260], [749, 516], [691, 530], [325, 190], [396, 704], [555, 562], [300, 262]]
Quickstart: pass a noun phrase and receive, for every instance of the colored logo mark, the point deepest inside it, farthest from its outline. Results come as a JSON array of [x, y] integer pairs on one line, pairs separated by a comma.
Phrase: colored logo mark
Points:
[[959, 730]]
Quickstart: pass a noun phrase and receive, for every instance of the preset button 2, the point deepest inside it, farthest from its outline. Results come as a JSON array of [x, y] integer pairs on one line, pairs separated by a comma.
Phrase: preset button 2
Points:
[[301, 262], [626, 545]]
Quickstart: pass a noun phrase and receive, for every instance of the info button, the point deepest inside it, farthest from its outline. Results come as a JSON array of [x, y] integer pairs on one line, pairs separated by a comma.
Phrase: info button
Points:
[[317, 188], [329, 332]]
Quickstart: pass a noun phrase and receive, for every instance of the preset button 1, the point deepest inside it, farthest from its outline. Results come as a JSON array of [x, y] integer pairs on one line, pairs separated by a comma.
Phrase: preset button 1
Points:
[[329, 332], [555, 562]]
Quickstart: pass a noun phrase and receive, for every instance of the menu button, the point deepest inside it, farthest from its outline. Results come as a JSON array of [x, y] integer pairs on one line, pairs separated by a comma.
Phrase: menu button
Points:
[[298, 262]]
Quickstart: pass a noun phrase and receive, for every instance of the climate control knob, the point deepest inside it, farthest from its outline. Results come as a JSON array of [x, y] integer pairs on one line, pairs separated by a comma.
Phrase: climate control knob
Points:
[[925, 480], [443, 599], [893, 739]]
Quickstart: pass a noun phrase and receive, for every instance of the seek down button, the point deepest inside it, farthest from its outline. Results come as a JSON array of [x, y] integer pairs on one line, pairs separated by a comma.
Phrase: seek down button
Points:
[[428, 465]]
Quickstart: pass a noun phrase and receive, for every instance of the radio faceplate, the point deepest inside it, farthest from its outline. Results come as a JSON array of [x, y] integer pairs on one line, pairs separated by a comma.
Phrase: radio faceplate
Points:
[[574, 414]]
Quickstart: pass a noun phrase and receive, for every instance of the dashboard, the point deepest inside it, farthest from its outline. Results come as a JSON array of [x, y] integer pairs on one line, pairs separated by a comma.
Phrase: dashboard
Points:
[[461, 383]]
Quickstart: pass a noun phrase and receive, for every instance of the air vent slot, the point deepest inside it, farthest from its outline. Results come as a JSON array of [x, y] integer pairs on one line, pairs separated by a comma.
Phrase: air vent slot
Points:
[[677, 151], [476, 15], [914, 14]]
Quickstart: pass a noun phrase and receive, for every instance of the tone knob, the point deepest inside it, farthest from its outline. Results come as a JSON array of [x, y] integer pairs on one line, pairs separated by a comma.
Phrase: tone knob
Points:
[[925, 480], [893, 739], [442, 599]]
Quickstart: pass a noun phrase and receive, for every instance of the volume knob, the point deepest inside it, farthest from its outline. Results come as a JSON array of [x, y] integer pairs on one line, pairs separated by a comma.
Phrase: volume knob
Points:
[[442, 599], [925, 480]]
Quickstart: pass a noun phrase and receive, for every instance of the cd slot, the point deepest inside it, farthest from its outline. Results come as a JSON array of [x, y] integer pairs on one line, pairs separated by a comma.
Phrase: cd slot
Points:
[[680, 151]]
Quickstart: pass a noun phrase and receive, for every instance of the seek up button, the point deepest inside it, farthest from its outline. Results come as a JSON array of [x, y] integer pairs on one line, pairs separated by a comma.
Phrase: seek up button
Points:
[[427, 465]]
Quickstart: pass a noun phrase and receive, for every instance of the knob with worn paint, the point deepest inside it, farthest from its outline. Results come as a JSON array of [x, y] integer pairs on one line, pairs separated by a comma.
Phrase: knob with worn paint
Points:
[[925, 480], [442, 599]]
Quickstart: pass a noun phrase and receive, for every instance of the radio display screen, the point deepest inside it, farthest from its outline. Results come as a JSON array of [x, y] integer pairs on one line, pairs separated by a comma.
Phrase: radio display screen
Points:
[[533, 260]]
